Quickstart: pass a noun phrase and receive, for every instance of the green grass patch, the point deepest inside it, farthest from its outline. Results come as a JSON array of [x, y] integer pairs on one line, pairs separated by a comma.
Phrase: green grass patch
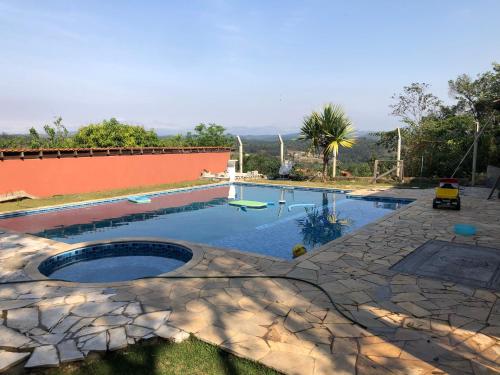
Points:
[[192, 357], [71, 198]]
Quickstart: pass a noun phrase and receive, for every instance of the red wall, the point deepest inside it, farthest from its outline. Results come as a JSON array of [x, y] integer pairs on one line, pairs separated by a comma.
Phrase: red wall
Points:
[[52, 176]]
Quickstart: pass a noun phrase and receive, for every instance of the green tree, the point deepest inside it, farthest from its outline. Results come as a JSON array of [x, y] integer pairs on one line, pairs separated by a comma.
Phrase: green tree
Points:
[[476, 97], [56, 136], [211, 135], [34, 139], [267, 165], [328, 130], [112, 133], [414, 103]]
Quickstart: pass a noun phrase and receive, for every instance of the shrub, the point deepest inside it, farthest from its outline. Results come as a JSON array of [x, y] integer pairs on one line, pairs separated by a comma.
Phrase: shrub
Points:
[[267, 165]]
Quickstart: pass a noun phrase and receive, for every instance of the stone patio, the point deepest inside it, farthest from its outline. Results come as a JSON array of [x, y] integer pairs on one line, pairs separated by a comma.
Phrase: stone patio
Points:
[[396, 323]]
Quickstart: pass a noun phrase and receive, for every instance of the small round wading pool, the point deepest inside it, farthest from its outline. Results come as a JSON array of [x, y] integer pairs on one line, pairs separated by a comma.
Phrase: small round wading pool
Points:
[[115, 261]]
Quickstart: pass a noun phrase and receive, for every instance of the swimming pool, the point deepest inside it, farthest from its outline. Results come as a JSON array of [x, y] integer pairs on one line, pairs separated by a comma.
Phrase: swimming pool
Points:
[[203, 215]]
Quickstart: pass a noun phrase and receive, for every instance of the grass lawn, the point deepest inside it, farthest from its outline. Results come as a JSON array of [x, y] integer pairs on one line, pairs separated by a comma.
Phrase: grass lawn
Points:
[[192, 357], [62, 199]]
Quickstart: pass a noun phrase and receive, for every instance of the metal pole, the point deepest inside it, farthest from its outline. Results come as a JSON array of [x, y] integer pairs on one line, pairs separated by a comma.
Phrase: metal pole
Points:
[[241, 153], [398, 156], [282, 149], [422, 166], [474, 154], [375, 171], [334, 166]]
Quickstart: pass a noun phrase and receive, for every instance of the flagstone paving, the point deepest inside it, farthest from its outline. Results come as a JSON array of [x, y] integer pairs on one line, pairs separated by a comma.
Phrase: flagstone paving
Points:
[[390, 322]]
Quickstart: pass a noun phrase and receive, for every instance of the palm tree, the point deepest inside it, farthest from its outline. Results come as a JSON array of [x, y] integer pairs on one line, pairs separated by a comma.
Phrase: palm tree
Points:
[[328, 130]]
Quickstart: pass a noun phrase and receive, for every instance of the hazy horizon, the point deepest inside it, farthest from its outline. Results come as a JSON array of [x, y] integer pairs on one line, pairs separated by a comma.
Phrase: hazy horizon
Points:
[[253, 67]]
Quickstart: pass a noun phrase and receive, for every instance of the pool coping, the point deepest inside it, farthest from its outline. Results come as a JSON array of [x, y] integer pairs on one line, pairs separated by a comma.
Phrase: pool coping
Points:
[[32, 271]]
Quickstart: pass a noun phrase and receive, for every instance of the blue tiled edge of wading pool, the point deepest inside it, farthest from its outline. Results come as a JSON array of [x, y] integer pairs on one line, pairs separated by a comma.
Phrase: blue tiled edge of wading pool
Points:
[[115, 249]]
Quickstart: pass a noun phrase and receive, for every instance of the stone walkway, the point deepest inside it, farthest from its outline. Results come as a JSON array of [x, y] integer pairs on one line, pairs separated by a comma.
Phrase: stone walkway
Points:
[[412, 325]]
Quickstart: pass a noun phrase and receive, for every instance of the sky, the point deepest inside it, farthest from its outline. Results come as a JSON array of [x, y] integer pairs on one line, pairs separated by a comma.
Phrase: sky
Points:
[[255, 67]]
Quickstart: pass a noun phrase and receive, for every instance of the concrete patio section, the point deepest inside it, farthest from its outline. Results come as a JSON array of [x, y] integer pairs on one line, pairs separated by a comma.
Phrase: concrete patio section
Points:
[[390, 322]]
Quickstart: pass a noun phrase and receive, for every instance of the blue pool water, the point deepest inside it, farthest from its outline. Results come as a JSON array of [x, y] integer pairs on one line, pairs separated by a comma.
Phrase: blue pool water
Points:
[[204, 216]]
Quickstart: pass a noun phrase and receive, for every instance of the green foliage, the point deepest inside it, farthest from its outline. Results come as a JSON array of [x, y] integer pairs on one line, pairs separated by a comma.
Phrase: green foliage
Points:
[[358, 169], [210, 135], [297, 173], [111, 133], [267, 165], [414, 103], [328, 130], [56, 135], [435, 138], [13, 141]]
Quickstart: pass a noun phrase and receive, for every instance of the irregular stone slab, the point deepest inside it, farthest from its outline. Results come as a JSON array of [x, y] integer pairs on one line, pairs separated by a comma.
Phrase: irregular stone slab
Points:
[[381, 350], [66, 324], [295, 323], [90, 331], [336, 364], [81, 323], [414, 309], [10, 359], [136, 331], [96, 343], [12, 339], [112, 320], [197, 305], [50, 316], [95, 310], [347, 330], [22, 319], [50, 339], [167, 332], [117, 338], [74, 299], [43, 356], [68, 351], [308, 265], [14, 304], [152, 320], [253, 347], [289, 363], [133, 309]]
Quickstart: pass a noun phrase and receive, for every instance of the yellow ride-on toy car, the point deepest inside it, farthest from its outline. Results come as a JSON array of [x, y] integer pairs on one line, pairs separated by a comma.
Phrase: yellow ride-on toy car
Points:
[[447, 194]]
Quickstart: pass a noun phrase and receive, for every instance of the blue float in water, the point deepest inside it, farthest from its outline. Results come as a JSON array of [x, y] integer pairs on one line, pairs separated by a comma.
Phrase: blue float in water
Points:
[[140, 200], [305, 205], [465, 229]]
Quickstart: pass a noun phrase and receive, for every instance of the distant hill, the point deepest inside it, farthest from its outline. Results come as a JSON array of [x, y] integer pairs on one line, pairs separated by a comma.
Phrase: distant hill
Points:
[[364, 150]]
